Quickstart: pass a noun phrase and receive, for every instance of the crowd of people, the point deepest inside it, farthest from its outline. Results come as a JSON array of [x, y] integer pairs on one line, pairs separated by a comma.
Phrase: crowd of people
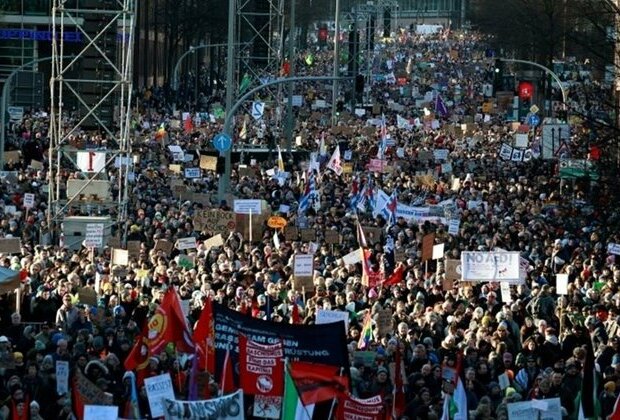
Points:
[[527, 343]]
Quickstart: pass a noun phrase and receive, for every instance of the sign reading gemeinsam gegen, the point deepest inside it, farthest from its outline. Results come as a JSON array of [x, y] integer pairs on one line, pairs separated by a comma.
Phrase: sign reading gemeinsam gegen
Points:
[[490, 267]]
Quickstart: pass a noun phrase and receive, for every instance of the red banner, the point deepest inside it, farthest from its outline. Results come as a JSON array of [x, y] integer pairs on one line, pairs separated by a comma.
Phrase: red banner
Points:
[[261, 369], [351, 408]]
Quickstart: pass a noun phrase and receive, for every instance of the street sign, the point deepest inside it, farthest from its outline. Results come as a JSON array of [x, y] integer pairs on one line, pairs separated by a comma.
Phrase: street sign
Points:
[[534, 109], [258, 108], [533, 120], [222, 142]]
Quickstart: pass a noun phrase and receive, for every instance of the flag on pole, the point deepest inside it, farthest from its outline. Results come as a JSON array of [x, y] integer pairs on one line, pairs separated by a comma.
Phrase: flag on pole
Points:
[[188, 125], [335, 163], [440, 107], [161, 132], [243, 134], [455, 405], [292, 406], [132, 408], [204, 337], [589, 404], [322, 147], [280, 160], [366, 334], [227, 381], [391, 206], [245, 83], [310, 194]]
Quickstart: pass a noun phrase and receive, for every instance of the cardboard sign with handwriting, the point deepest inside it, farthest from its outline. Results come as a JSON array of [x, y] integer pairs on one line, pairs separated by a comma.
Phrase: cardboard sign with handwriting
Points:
[[332, 237], [291, 233], [164, 245], [427, 246], [10, 246], [243, 225], [453, 269], [308, 235], [373, 234], [208, 162], [133, 248], [214, 241], [215, 221]]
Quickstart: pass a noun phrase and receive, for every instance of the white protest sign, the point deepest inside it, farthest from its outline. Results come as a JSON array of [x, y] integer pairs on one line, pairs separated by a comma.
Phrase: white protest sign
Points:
[[438, 251], [28, 200], [353, 257], [94, 235], [453, 226], [327, 317], [303, 265], [549, 409], [613, 249], [158, 389], [90, 161], [62, 377], [521, 141], [561, 284], [100, 412], [177, 152], [490, 267], [440, 154], [258, 108], [192, 173], [505, 292], [298, 100], [186, 243], [247, 206]]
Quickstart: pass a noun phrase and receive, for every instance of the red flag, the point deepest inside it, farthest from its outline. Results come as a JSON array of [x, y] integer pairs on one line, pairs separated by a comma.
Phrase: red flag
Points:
[[227, 381], [350, 407], [396, 277], [84, 392], [168, 325], [204, 335], [188, 125], [295, 315], [138, 358], [317, 382], [261, 370]]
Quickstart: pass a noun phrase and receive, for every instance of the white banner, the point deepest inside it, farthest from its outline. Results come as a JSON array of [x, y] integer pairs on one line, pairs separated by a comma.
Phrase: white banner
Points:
[[158, 391], [94, 235], [490, 267], [613, 249], [28, 200], [229, 407], [90, 161], [550, 409]]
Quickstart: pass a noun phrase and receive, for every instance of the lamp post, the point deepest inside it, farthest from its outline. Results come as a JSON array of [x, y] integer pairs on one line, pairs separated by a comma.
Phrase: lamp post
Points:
[[336, 59], [5, 97], [192, 49]]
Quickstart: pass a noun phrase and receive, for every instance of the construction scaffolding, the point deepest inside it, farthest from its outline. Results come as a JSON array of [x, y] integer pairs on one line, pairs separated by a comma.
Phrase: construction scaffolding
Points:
[[90, 149]]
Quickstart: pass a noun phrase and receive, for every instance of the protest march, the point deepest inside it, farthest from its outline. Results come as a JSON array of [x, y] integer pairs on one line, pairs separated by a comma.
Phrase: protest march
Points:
[[427, 256]]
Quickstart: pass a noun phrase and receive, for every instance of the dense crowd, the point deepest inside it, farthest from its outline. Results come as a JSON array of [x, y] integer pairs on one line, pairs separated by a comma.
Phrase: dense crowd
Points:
[[529, 343]]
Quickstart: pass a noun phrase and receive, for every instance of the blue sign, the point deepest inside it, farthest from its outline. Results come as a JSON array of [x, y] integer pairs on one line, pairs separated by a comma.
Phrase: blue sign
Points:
[[533, 120], [222, 142]]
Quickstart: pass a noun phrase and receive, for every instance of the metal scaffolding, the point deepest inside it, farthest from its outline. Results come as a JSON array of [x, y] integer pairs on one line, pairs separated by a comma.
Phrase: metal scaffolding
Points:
[[90, 115]]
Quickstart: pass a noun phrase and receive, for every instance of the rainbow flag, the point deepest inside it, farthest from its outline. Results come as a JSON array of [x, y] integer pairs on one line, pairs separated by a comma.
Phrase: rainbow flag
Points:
[[366, 334]]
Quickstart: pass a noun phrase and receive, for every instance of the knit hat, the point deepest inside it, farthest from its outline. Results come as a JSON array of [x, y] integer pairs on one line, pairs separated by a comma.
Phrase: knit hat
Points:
[[610, 386]]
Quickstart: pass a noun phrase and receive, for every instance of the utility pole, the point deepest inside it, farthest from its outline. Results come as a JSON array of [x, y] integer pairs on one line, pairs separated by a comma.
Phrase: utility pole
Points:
[[224, 182], [617, 73], [336, 60], [291, 62]]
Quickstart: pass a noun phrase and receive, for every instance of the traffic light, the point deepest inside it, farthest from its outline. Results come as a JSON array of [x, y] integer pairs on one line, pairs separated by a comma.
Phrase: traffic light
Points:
[[354, 39]]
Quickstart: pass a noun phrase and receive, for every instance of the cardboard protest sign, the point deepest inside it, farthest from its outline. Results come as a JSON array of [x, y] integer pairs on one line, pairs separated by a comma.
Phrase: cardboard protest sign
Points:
[[427, 246], [453, 269], [164, 245], [373, 234], [133, 248], [332, 237], [291, 233], [308, 235], [214, 241], [87, 296], [243, 225], [208, 162], [215, 221], [10, 246], [385, 321]]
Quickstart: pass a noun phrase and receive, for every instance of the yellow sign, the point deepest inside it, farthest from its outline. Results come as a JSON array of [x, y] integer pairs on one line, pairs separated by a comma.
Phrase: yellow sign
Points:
[[276, 222]]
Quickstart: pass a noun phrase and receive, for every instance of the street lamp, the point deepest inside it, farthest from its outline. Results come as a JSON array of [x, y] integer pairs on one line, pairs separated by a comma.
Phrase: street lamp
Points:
[[5, 97]]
